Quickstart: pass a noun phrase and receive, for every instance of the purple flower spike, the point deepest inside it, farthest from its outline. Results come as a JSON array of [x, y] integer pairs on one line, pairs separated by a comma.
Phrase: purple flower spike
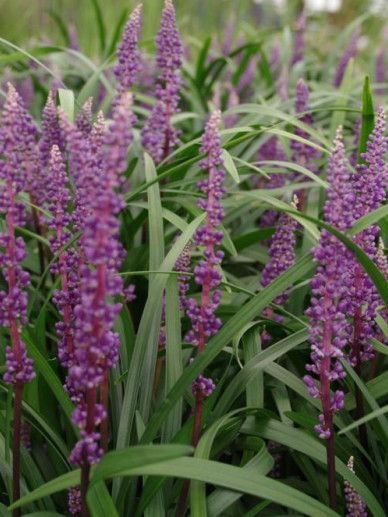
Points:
[[182, 265], [159, 136], [51, 132], [128, 55], [96, 344], [350, 52], [66, 298], [84, 117], [329, 330], [355, 505], [299, 36], [281, 252], [206, 273], [369, 186], [74, 500], [303, 154], [17, 134]]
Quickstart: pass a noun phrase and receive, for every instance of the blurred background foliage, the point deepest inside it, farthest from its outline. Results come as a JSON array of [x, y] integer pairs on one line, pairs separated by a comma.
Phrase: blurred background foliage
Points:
[[25, 22]]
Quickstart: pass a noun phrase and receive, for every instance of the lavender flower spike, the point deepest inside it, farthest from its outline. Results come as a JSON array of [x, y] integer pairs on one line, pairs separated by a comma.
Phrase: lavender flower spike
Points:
[[281, 253], [206, 273], [159, 136], [128, 55], [13, 302], [380, 71], [350, 52], [299, 37], [369, 187], [303, 154], [355, 505], [329, 331]]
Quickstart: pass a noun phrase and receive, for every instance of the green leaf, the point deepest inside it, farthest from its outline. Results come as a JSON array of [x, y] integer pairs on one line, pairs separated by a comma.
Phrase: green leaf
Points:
[[230, 166], [240, 381], [148, 334], [174, 359], [100, 23], [250, 310], [50, 377], [234, 478], [370, 416], [66, 101], [312, 447], [368, 220], [100, 502]]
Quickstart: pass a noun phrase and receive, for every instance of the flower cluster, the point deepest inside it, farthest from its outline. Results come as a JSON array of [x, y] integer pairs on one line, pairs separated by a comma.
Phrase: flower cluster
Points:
[[299, 36], [206, 274], [128, 55], [303, 154], [281, 251], [17, 139], [355, 505], [329, 330], [159, 136], [96, 344], [369, 191]]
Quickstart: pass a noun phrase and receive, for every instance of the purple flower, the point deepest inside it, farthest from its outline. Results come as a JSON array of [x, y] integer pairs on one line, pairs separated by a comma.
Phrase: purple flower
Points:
[[303, 154], [369, 191], [66, 298], [329, 306], [299, 43], [96, 344], [51, 132], [128, 55], [350, 52], [17, 134], [182, 265], [159, 136], [356, 142], [355, 505], [84, 117], [281, 252], [207, 274], [74, 500]]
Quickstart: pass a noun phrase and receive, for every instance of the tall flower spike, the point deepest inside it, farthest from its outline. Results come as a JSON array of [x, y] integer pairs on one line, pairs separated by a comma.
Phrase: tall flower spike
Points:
[[303, 154], [67, 297], [84, 117], [128, 55], [15, 136], [350, 52], [281, 255], [355, 505], [51, 132], [369, 185], [206, 273], [329, 306], [299, 37], [96, 344], [159, 136]]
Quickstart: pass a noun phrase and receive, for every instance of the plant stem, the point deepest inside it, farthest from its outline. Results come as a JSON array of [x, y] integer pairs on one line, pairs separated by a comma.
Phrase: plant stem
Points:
[[91, 398], [104, 399], [17, 424], [356, 351], [327, 410]]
